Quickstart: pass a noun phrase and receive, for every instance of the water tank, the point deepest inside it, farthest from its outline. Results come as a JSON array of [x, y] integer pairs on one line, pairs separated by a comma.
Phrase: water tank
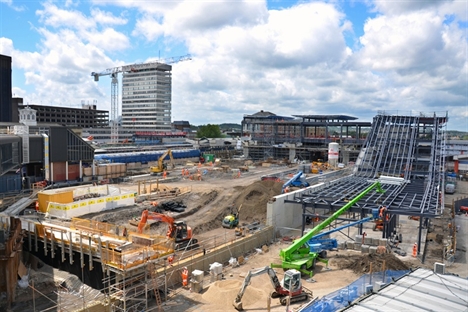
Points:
[[333, 151]]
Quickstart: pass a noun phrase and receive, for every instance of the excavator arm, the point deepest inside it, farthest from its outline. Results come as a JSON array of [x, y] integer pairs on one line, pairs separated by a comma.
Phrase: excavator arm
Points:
[[160, 167], [149, 215], [273, 279]]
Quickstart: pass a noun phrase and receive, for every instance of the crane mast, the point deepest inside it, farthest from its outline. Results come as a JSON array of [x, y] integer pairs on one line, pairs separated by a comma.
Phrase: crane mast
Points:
[[114, 72]]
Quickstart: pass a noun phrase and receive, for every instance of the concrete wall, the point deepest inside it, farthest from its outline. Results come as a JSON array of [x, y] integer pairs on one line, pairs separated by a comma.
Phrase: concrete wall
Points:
[[289, 215], [221, 254]]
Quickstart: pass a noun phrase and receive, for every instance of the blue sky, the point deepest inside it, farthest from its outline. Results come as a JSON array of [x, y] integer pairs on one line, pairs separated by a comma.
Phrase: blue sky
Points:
[[287, 57]]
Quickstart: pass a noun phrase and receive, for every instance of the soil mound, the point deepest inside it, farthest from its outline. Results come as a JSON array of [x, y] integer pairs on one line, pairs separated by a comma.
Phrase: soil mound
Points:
[[254, 199], [364, 263]]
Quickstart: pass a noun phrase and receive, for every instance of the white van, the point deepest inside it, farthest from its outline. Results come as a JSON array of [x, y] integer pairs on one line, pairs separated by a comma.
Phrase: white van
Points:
[[449, 188]]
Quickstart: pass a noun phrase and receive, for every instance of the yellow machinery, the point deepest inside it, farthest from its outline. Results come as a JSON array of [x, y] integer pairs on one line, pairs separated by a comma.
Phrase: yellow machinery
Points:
[[161, 167]]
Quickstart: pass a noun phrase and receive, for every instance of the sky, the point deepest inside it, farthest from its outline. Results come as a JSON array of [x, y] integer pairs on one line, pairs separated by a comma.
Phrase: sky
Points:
[[357, 58]]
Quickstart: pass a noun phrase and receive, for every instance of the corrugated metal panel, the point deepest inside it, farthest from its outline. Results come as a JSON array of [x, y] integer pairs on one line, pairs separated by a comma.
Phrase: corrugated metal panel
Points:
[[36, 149], [10, 183], [145, 157], [58, 144], [421, 290]]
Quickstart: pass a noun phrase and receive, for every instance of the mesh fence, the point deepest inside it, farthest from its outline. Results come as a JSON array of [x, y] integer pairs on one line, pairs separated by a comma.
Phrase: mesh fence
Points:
[[345, 296]]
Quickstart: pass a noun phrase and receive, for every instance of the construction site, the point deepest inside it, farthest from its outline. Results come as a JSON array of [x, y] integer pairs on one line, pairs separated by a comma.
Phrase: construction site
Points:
[[255, 235]]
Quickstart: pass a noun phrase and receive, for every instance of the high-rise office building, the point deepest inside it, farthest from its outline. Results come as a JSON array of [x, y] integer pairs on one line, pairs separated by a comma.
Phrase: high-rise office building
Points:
[[5, 89], [146, 98]]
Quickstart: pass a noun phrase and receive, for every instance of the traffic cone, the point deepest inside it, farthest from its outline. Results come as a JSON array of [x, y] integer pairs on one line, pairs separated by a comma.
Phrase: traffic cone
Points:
[[415, 250]]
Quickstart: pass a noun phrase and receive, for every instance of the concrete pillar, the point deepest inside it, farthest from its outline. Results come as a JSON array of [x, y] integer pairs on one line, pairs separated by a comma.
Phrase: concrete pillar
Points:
[[292, 154], [52, 172], [345, 155]]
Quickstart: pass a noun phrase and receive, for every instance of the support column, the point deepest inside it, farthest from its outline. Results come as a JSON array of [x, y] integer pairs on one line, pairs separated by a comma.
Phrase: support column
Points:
[[81, 170]]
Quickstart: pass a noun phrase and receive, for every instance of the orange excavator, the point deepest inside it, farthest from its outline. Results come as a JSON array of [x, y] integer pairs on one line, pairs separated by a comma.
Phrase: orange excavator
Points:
[[177, 230]]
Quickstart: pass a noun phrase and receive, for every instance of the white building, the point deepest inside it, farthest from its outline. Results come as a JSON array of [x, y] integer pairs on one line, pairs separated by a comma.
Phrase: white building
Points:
[[146, 98]]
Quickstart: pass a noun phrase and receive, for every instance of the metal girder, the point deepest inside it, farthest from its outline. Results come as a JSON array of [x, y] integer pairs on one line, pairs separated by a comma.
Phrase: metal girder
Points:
[[409, 147]]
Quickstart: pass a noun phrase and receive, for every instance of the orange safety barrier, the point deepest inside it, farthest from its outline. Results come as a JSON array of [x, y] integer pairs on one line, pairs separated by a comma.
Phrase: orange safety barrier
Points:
[[415, 250]]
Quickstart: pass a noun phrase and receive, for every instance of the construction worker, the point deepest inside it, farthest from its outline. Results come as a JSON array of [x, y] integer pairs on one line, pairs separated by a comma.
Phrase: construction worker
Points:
[[382, 211], [170, 259], [184, 277], [37, 205]]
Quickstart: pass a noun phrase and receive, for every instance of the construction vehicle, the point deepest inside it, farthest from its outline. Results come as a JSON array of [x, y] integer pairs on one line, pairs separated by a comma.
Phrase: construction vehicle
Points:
[[232, 220], [298, 255], [177, 230], [321, 245], [291, 286], [297, 181], [161, 167]]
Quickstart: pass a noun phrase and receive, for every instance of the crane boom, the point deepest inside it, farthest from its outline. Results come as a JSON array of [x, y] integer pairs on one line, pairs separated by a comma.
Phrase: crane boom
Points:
[[139, 66], [114, 73], [299, 256], [286, 254]]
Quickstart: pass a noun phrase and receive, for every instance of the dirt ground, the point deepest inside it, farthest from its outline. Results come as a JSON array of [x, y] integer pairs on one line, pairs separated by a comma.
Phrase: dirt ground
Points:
[[344, 268], [209, 200]]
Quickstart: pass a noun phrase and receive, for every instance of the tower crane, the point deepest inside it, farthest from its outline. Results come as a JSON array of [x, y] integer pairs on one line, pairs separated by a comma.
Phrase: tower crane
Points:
[[114, 72]]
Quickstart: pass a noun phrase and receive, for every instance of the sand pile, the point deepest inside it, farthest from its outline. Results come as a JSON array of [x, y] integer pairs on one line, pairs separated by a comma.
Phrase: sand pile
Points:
[[223, 293], [362, 263]]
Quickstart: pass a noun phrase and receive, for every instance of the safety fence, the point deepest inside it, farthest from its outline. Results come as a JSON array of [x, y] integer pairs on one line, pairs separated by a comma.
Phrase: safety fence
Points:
[[345, 296]]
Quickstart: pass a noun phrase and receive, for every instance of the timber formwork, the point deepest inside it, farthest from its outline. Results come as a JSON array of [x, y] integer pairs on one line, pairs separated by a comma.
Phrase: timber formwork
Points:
[[407, 149], [11, 242], [133, 271]]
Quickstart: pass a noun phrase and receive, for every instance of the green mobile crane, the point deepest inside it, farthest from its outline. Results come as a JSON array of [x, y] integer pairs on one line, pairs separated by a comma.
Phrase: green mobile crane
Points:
[[298, 255]]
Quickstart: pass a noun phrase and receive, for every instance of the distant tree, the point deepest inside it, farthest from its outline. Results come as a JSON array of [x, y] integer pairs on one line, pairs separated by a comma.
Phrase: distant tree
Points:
[[209, 131]]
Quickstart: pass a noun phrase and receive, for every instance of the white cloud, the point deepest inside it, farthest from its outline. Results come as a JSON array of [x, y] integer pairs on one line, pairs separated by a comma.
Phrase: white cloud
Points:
[[53, 16], [247, 58], [107, 18], [403, 7], [6, 46]]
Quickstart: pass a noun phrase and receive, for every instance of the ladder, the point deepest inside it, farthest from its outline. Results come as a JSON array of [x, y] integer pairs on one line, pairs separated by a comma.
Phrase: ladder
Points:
[[154, 277]]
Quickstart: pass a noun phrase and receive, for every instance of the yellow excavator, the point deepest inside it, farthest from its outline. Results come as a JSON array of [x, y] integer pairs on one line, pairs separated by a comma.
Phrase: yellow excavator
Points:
[[161, 167]]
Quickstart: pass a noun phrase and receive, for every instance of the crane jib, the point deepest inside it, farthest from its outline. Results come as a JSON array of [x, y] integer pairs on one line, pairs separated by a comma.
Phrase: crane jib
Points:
[[287, 253]]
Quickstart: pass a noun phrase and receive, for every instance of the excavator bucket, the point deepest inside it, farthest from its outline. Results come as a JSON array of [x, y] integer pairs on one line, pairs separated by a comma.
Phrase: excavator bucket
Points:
[[238, 305]]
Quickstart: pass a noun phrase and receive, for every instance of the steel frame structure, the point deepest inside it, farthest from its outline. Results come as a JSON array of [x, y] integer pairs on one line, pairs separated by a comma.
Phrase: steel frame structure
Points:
[[408, 148]]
